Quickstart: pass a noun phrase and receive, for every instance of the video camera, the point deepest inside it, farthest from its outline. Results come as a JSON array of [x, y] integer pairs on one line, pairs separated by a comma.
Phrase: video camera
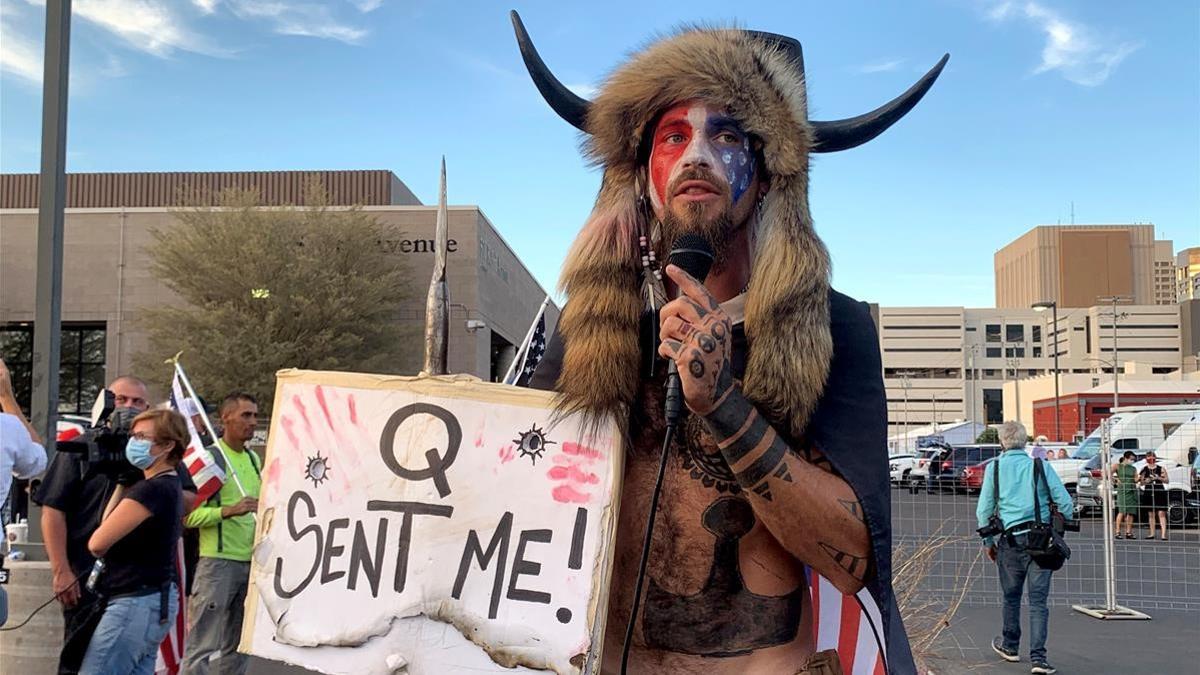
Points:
[[101, 448]]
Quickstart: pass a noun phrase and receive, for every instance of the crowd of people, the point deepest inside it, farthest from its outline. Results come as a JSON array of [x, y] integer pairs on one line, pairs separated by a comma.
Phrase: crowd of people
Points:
[[117, 611]]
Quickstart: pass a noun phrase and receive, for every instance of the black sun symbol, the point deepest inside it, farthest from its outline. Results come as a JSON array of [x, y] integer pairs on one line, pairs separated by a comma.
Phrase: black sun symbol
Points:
[[317, 470], [532, 443]]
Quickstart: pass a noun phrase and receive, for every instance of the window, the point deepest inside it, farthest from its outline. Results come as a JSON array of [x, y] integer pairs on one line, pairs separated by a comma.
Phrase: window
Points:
[[1014, 352], [992, 331], [1014, 333], [16, 348], [1037, 351], [993, 404], [81, 364], [993, 352], [1037, 333]]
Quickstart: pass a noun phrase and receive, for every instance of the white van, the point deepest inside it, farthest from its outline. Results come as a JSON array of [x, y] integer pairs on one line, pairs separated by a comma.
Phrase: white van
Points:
[[1130, 428]]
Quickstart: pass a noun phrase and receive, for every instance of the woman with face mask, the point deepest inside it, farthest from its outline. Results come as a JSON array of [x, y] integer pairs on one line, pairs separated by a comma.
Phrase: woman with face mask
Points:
[[137, 542], [1125, 480], [1154, 478]]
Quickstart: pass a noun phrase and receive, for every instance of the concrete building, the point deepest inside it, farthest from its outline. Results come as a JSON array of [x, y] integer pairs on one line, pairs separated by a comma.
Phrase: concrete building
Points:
[[107, 279], [1082, 411], [1164, 272], [943, 364], [1187, 274], [1074, 265]]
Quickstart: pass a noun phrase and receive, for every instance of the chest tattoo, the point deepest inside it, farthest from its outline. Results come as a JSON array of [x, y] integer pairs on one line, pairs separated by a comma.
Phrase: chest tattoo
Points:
[[723, 618], [703, 461]]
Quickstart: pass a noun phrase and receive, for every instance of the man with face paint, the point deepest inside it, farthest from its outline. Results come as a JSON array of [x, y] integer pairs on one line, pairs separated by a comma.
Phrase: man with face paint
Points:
[[772, 545]]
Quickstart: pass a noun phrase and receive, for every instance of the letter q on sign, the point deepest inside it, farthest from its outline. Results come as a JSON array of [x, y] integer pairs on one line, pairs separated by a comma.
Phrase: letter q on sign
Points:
[[436, 463]]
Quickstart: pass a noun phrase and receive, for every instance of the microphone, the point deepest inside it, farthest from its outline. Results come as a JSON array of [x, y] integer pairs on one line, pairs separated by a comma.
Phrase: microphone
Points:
[[692, 254]]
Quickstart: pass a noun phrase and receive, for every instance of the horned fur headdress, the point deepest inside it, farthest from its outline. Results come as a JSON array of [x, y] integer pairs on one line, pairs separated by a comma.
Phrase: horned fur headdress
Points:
[[758, 78]]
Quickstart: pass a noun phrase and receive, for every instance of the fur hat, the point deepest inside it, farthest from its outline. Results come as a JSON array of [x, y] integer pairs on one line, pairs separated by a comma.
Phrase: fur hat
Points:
[[758, 78]]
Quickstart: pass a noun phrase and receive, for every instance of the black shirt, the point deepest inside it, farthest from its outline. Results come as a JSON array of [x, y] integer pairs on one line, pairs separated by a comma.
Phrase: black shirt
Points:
[[82, 499], [145, 558]]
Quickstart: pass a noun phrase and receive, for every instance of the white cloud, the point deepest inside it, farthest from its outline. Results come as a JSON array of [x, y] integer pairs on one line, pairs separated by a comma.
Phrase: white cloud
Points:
[[881, 66], [206, 6], [584, 90], [19, 55], [165, 28], [1072, 48], [298, 18], [144, 25]]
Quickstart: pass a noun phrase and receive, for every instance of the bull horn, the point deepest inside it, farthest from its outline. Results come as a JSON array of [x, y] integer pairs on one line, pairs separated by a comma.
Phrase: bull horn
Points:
[[565, 102], [853, 132]]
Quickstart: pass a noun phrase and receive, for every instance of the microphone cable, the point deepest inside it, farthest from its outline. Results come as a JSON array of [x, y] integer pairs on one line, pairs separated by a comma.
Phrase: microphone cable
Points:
[[693, 254], [46, 603], [641, 575]]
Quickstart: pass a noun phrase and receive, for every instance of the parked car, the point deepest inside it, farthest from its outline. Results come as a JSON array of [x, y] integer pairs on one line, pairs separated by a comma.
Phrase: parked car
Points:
[[947, 473], [1183, 498], [900, 465], [1130, 428], [971, 479], [919, 475], [1089, 480]]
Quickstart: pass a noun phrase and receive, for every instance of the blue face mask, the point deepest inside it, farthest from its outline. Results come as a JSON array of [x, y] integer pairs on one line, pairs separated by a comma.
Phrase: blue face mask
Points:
[[137, 451]]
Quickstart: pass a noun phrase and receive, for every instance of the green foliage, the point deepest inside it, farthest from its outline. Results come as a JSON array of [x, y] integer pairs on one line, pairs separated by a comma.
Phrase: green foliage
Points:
[[261, 289], [989, 435]]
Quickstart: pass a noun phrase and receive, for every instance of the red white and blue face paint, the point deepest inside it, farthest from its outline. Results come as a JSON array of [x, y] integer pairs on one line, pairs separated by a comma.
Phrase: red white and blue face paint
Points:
[[694, 139]]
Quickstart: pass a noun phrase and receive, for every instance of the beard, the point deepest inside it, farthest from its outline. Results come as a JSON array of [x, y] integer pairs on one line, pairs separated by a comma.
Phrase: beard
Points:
[[716, 230]]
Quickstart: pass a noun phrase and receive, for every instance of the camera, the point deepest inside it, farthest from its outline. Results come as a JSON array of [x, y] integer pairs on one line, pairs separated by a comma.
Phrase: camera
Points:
[[994, 527], [101, 448]]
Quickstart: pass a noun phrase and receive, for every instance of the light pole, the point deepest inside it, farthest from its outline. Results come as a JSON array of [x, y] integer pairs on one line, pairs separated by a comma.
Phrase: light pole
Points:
[[1116, 362], [1053, 306]]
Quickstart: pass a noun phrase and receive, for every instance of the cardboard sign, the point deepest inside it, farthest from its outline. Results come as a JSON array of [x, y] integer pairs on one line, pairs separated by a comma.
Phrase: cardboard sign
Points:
[[430, 525]]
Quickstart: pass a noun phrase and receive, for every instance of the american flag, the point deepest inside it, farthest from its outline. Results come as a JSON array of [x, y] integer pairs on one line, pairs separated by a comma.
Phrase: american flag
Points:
[[198, 459], [851, 624], [530, 354], [169, 660]]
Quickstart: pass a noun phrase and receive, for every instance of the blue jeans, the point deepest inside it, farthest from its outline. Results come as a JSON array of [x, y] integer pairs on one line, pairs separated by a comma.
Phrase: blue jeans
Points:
[[127, 639], [1016, 570]]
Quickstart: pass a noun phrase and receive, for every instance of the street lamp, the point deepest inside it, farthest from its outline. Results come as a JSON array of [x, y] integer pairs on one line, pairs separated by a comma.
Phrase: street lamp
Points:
[[1053, 307], [1114, 299]]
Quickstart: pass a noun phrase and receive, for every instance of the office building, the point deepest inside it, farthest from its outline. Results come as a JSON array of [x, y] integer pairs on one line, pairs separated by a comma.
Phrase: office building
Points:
[[107, 279], [943, 364], [1074, 265]]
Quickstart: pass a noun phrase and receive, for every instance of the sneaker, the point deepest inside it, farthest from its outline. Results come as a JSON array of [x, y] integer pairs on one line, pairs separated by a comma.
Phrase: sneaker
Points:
[[1042, 667], [1006, 654]]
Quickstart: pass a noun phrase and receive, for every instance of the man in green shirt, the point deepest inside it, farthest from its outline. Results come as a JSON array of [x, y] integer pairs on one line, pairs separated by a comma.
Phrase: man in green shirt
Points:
[[226, 523]]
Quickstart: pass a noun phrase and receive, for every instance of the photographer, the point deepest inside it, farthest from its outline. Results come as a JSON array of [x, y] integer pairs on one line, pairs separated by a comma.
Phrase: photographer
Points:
[[1013, 503], [73, 496], [137, 543]]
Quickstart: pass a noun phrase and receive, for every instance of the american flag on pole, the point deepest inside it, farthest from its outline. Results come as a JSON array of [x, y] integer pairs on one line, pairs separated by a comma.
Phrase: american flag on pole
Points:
[[169, 660], [198, 459], [531, 352], [851, 624]]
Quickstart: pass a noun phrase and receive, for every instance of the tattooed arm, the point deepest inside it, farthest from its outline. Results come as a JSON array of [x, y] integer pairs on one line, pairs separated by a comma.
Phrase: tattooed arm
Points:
[[811, 511]]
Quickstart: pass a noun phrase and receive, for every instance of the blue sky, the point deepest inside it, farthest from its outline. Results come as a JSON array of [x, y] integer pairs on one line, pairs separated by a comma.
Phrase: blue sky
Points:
[[1043, 103]]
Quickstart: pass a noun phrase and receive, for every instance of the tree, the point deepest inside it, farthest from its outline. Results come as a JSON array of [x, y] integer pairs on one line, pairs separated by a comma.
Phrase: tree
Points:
[[271, 288], [989, 435]]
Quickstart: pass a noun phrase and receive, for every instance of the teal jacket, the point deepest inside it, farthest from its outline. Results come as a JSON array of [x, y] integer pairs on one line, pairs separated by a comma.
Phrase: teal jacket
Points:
[[1016, 492]]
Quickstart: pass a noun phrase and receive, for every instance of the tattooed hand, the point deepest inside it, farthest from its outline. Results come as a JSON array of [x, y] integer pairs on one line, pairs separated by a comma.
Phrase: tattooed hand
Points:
[[695, 333]]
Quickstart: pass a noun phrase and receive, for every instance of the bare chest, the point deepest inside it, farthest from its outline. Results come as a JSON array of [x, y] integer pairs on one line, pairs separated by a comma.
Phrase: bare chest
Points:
[[719, 586]]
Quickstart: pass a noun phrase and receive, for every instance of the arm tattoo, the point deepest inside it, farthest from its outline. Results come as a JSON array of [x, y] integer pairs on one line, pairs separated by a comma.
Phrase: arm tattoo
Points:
[[854, 509], [855, 566], [751, 446]]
